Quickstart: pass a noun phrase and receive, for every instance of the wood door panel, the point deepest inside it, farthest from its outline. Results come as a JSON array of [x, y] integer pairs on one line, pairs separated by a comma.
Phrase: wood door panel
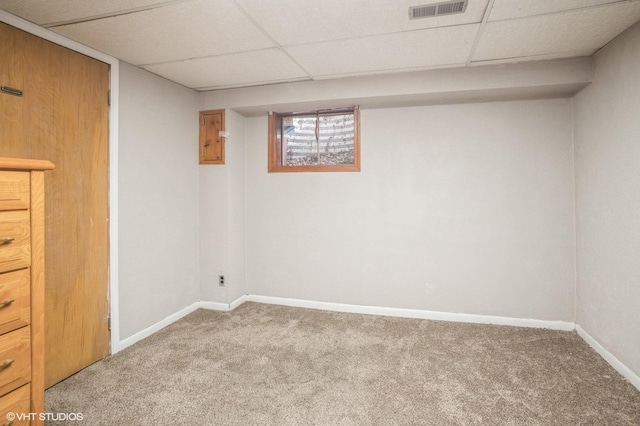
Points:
[[211, 143], [80, 256], [12, 69], [65, 120]]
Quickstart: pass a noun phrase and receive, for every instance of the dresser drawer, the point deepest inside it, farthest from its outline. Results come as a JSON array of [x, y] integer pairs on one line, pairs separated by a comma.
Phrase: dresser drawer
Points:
[[16, 402], [15, 248], [15, 359], [15, 292], [14, 190]]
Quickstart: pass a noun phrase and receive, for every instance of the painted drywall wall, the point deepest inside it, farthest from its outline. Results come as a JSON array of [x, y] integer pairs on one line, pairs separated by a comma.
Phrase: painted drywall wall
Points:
[[607, 136], [158, 199], [458, 208], [237, 205], [222, 218]]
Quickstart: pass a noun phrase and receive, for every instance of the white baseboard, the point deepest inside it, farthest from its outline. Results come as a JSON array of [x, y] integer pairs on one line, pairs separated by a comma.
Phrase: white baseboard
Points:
[[625, 371], [239, 301], [394, 312], [414, 313], [215, 306], [343, 307], [154, 328]]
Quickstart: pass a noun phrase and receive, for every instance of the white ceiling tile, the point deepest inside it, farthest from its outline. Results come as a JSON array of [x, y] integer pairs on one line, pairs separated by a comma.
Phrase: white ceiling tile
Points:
[[238, 69], [508, 9], [180, 31], [230, 43], [44, 12], [305, 21], [388, 52], [564, 33]]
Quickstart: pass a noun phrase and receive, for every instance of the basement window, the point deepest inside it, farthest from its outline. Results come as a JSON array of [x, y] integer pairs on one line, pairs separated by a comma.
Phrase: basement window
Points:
[[315, 141]]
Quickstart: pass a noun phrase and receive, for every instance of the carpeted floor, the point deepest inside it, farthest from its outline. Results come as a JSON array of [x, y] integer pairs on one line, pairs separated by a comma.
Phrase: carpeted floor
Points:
[[273, 365]]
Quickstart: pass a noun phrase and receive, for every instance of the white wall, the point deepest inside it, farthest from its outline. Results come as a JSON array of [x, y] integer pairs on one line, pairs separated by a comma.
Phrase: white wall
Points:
[[607, 135], [459, 208], [235, 152], [158, 199], [222, 218]]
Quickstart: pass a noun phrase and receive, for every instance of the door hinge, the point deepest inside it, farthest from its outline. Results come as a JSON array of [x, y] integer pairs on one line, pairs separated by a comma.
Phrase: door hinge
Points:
[[109, 323], [109, 97]]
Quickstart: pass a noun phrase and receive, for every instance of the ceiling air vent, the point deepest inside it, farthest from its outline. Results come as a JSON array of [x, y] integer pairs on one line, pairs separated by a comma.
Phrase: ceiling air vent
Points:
[[437, 9]]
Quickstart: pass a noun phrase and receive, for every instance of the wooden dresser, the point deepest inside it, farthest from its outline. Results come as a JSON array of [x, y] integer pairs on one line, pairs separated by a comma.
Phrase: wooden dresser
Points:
[[22, 290]]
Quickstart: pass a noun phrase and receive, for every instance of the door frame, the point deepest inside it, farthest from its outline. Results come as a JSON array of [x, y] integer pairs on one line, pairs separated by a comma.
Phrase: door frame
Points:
[[114, 81]]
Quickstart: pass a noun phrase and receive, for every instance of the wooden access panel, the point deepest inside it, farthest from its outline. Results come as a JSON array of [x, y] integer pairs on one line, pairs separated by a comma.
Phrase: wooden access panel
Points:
[[63, 116], [211, 142]]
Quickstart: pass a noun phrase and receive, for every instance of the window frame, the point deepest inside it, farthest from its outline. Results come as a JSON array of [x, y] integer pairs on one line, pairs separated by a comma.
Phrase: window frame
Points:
[[275, 143]]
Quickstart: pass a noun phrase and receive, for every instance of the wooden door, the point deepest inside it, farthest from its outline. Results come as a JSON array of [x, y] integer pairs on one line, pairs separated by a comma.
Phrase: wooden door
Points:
[[62, 116], [12, 70]]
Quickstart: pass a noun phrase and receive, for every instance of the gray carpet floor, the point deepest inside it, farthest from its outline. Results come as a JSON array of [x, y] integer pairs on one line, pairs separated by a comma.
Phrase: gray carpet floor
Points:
[[273, 365]]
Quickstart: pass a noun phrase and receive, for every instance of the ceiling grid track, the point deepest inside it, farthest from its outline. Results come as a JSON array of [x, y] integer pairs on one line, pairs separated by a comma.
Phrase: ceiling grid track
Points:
[[560, 12], [113, 15], [485, 18], [271, 39]]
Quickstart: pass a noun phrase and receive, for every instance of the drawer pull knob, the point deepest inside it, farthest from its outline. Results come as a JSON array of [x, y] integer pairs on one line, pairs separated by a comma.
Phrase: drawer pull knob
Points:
[[5, 241], [6, 303], [6, 364]]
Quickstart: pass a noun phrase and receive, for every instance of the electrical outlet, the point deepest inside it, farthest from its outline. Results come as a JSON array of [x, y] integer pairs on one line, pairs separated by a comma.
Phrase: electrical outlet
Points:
[[221, 280]]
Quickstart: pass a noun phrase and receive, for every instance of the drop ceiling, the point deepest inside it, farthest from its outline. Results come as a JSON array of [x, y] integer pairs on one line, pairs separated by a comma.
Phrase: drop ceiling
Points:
[[217, 44]]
